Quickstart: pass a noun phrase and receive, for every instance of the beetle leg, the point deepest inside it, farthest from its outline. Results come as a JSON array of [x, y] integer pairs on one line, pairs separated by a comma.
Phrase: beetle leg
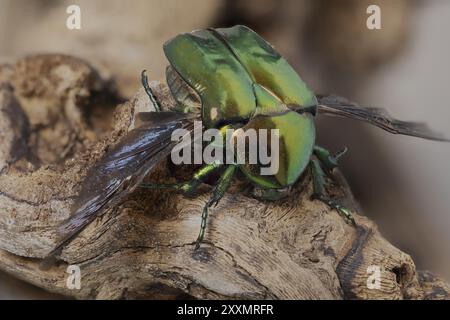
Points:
[[329, 160], [190, 186], [219, 190], [148, 90], [320, 194]]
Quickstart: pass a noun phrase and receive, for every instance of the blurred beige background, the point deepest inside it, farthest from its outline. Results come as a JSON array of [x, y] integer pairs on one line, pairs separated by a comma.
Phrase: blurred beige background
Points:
[[402, 183]]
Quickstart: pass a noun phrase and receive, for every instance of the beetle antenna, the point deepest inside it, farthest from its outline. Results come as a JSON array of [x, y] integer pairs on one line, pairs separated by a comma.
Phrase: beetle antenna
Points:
[[149, 91]]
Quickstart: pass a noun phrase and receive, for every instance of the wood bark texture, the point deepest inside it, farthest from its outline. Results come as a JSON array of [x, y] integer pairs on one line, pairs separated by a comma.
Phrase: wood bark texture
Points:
[[58, 117]]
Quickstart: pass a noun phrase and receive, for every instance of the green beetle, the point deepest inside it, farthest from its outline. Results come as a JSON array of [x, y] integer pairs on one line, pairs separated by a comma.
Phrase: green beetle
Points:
[[227, 77], [240, 79]]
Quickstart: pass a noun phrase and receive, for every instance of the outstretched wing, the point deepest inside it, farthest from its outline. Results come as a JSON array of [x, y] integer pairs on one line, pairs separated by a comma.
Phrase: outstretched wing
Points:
[[121, 170], [341, 107]]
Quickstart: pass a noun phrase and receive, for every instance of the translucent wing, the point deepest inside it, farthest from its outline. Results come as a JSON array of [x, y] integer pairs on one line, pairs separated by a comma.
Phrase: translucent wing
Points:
[[121, 170], [341, 107]]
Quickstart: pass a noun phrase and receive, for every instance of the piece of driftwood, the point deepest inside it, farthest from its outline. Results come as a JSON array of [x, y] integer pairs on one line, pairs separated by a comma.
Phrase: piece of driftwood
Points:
[[54, 116]]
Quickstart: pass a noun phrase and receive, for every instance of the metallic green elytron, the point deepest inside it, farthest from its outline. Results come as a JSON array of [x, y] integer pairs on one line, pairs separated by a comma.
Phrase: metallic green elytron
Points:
[[228, 78]]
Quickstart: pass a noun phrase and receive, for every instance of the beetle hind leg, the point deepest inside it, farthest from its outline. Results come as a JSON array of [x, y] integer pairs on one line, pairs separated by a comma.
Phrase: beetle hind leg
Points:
[[219, 190], [318, 176], [148, 90], [190, 186]]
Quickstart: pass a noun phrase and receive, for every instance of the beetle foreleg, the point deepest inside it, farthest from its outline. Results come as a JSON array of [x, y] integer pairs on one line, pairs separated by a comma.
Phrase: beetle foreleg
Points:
[[320, 194], [219, 190], [190, 186], [149, 91]]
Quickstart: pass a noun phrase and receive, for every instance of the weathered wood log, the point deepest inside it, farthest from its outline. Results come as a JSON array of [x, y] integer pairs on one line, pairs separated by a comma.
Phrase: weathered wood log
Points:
[[293, 248]]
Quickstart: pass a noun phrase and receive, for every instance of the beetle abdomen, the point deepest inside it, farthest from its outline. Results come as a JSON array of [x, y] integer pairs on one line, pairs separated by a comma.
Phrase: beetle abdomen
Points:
[[296, 137]]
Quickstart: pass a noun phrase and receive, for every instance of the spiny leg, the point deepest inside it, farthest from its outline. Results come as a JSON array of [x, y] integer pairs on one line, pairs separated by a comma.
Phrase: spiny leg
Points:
[[219, 190], [149, 91], [329, 160], [319, 182], [190, 186]]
